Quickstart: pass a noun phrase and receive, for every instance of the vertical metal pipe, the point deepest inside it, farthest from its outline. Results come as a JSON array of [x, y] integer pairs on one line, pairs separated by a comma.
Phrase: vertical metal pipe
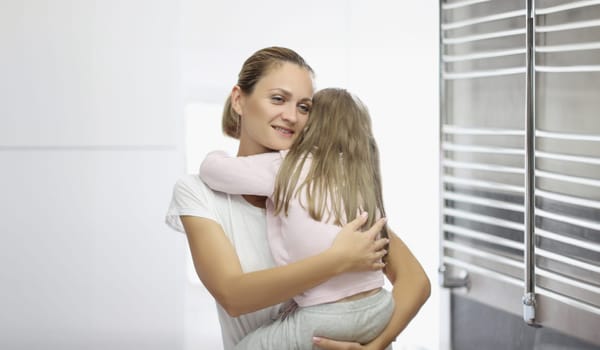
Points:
[[442, 118], [447, 278], [529, 243], [445, 297]]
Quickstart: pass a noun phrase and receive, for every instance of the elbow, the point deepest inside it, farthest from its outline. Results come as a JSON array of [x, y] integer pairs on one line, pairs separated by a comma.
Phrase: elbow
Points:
[[425, 287], [232, 311], [227, 293], [204, 170], [209, 168], [230, 303]]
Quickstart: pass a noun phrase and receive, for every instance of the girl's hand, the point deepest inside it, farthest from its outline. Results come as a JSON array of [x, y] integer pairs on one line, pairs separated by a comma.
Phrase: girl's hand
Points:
[[357, 250]]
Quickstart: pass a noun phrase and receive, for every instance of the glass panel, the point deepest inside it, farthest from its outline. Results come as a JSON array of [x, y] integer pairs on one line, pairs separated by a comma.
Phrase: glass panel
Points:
[[567, 151], [483, 134]]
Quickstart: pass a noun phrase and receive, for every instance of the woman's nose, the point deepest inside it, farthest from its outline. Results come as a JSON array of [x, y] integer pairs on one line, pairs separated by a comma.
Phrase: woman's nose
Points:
[[290, 114]]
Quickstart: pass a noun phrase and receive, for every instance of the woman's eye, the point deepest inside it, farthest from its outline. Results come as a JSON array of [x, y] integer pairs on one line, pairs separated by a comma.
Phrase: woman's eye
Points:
[[304, 108], [277, 99]]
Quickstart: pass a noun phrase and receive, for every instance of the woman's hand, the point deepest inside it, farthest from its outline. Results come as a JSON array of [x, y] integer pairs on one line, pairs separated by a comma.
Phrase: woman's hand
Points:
[[329, 344], [357, 250]]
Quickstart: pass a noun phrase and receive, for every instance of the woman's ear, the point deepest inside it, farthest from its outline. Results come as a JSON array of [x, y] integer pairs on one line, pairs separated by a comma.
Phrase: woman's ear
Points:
[[237, 100]]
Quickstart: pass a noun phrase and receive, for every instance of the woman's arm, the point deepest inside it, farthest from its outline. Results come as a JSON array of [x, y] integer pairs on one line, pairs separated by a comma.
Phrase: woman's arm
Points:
[[411, 288], [219, 269]]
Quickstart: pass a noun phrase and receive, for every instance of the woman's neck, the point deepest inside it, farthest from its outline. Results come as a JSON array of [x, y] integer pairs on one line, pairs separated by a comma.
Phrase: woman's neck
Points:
[[249, 148]]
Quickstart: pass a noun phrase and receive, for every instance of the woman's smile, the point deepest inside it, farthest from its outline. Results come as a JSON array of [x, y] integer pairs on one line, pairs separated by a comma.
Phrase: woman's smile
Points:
[[283, 131]]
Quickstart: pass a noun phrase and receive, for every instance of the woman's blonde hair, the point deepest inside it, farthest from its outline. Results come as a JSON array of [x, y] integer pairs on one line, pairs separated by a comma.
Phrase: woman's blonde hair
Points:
[[344, 172], [253, 69]]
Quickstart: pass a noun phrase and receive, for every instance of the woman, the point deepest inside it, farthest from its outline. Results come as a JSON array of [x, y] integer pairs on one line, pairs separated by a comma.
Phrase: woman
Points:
[[330, 173], [227, 234]]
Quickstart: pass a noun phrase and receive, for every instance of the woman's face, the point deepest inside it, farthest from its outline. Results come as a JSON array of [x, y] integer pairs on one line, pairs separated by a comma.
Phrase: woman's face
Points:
[[276, 111]]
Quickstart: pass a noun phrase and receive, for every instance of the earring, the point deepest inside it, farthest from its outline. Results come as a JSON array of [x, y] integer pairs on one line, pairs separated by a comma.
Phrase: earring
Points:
[[237, 124]]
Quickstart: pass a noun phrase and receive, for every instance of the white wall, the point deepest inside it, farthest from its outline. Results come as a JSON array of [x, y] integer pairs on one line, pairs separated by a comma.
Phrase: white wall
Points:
[[90, 97], [384, 51]]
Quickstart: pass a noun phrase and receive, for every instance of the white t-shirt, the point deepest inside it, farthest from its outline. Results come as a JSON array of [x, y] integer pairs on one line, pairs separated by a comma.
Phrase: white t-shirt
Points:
[[244, 225]]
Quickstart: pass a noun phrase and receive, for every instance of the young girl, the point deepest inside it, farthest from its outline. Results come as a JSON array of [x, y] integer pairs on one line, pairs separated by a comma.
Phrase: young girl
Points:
[[330, 173]]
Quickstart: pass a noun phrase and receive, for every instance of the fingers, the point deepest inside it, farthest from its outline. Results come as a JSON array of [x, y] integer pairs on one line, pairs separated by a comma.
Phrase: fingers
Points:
[[374, 230], [329, 344], [322, 343], [381, 243], [359, 221], [378, 265], [380, 253]]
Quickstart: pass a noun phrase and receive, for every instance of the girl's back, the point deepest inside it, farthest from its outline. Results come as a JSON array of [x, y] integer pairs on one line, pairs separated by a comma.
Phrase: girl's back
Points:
[[296, 235]]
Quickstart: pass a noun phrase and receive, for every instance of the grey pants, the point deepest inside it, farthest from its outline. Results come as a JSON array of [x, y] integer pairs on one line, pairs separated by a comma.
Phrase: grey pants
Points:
[[357, 320]]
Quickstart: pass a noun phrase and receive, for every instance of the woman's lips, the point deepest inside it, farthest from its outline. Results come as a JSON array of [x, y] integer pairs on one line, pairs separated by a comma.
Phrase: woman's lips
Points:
[[284, 131]]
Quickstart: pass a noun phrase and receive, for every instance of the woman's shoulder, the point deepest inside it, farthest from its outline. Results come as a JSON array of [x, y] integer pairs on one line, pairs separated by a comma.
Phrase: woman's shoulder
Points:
[[190, 181], [189, 187], [190, 197]]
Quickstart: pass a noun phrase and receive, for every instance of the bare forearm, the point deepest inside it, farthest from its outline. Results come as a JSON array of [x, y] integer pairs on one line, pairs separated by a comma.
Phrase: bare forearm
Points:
[[256, 290], [239, 292], [408, 301], [219, 268], [411, 289]]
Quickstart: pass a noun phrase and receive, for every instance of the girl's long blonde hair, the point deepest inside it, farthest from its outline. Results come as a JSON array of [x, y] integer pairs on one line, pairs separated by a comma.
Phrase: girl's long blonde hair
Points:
[[344, 170]]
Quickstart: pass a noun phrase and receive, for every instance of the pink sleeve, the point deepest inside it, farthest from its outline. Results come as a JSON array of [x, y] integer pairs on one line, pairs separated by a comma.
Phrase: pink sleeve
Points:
[[254, 175]]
